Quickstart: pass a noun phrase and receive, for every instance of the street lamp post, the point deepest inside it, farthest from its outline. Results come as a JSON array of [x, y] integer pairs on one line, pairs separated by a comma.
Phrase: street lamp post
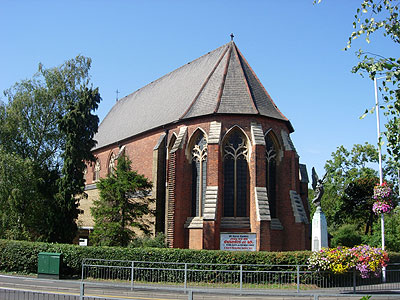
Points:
[[380, 168]]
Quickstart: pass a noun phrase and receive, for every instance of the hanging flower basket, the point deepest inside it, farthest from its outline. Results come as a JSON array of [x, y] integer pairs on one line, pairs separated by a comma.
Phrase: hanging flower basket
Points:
[[383, 195], [382, 207]]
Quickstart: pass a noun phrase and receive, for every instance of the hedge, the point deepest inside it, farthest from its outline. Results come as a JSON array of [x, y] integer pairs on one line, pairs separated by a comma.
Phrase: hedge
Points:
[[21, 256]]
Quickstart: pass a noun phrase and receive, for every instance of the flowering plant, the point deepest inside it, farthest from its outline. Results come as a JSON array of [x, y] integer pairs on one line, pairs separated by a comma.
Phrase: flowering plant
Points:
[[365, 259], [383, 195], [381, 207]]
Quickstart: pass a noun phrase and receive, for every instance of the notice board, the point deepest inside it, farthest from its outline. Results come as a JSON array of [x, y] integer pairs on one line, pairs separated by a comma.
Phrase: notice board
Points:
[[238, 241]]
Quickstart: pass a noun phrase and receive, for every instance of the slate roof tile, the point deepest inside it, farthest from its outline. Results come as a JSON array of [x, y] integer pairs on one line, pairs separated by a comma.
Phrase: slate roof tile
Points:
[[219, 82]]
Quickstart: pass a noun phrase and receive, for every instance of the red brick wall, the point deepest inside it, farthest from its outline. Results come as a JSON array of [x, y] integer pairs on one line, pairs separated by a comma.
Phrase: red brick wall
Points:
[[140, 150], [196, 238]]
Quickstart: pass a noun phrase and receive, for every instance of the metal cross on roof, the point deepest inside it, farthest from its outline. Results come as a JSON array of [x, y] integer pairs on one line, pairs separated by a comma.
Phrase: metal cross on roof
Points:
[[232, 36], [117, 92]]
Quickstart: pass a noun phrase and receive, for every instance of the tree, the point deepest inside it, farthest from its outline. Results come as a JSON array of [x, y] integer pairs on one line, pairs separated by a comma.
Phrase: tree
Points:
[[346, 235], [29, 121], [392, 168], [357, 203], [47, 124], [392, 232], [15, 195], [344, 168], [121, 207], [78, 127]]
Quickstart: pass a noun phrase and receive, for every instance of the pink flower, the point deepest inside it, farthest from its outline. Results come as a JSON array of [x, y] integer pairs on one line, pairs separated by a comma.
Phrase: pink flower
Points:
[[383, 195]]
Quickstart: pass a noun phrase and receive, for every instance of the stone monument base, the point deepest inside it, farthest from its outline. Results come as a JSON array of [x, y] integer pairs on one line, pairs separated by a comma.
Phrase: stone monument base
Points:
[[319, 230]]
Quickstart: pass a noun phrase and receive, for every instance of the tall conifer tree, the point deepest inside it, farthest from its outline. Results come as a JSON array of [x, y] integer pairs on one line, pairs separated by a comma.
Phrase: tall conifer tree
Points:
[[78, 126]]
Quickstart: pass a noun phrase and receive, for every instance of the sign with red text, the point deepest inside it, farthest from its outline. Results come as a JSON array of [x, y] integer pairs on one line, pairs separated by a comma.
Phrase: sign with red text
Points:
[[238, 241]]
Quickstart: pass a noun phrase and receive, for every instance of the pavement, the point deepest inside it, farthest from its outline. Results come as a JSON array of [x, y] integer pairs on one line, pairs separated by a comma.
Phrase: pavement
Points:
[[146, 292]]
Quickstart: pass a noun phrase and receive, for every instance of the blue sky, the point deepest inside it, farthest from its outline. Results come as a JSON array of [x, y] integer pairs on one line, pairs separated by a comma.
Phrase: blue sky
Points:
[[294, 47]]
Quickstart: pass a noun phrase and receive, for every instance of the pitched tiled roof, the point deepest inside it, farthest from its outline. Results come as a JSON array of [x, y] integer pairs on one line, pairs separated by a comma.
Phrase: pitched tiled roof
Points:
[[220, 82]]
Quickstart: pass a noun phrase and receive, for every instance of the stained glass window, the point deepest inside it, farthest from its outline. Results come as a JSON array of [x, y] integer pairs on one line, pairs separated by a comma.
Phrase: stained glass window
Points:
[[235, 175]]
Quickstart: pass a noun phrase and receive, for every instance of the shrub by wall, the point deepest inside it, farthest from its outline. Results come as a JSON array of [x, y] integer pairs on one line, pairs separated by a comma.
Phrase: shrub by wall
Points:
[[21, 256]]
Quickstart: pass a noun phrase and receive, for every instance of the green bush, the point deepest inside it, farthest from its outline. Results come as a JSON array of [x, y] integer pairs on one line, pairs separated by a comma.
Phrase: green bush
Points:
[[347, 235], [21, 256], [159, 241]]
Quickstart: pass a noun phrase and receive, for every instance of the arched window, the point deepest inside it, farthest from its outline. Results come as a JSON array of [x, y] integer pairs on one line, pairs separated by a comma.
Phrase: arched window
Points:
[[111, 163], [271, 152], [96, 173], [199, 173], [235, 151]]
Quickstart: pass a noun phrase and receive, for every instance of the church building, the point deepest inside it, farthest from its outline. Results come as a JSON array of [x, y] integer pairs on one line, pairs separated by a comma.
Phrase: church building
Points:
[[218, 151]]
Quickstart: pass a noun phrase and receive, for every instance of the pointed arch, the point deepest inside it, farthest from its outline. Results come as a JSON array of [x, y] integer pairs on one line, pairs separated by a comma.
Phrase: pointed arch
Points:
[[197, 150], [235, 151], [272, 150], [242, 132], [192, 140]]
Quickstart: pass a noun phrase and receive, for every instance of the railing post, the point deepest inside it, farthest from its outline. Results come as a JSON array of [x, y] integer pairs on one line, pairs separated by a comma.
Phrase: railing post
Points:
[[354, 282], [82, 290], [316, 296], [185, 283], [298, 278], [190, 295], [241, 277], [132, 266], [83, 267]]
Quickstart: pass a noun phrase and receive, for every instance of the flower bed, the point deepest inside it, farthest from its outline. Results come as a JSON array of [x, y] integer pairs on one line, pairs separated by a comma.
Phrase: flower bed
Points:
[[365, 259]]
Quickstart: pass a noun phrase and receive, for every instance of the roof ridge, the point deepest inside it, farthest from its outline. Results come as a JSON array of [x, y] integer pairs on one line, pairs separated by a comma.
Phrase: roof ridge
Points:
[[245, 79], [205, 82], [214, 83], [262, 86], [221, 89]]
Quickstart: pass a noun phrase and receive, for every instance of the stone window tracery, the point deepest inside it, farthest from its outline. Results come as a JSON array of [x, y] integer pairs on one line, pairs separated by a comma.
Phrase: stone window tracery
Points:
[[199, 173], [235, 152]]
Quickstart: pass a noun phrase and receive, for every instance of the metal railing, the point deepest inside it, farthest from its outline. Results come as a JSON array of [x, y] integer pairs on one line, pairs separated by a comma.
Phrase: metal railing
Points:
[[119, 292], [14, 294], [18, 294], [239, 276], [196, 293]]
